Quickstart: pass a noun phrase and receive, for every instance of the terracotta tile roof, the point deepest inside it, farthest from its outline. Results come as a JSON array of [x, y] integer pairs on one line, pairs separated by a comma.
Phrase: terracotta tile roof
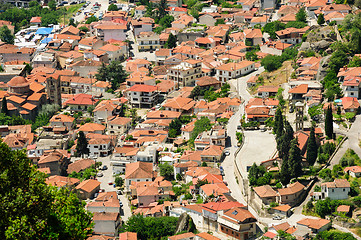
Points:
[[186, 164], [70, 29], [179, 103], [16, 99], [215, 189], [314, 223], [110, 48], [221, 206], [91, 127], [163, 114], [270, 235], [62, 118], [337, 183], [88, 185], [265, 191], [142, 88], [354, 169], [253, 33], [120, 121], [271, 89], [35, 96], [138, 170], [105, 216], [35, 20], [343, 208], [36, 87], [188, 235], [66, 36], [128, 236], [239, 214], [29, 106], [80, 165], [81, 99], [235, 66], [212, 150], [165, 85], [282, 208], [54, 156], [291, 189], [206, 236], [207, 81], [300, 89], [60, 181], [127, 151], [191, 156], [350, 103]]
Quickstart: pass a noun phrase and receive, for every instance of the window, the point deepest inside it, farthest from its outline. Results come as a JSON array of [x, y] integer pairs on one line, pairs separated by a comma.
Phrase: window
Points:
[[222, 228], [333, 190], [229, 74], [344, 190]]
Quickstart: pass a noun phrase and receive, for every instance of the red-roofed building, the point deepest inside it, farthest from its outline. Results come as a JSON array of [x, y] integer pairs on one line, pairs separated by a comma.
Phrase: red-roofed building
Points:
[[142, 95], [350, 104], [80, 102], [35, 21]]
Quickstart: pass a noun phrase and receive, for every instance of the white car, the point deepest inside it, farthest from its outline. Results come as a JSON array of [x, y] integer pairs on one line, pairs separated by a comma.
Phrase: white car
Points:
[[99, 174], [227, 153]]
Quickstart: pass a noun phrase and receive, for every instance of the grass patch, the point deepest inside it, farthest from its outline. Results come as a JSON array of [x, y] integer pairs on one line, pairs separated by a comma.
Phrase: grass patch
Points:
[[70, 10]]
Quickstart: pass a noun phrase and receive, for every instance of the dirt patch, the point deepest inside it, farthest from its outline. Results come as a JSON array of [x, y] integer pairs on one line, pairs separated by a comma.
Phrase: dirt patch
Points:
[[277, 77]]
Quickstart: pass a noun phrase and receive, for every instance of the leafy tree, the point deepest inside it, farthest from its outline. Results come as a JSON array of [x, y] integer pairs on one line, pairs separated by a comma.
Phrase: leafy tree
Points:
[[113, 73], [356, 40], [204, 164], [72, 22], [201, 125], [112, 7], [167, 171], [284, 142], [219, 21], [334, 235], [296, 24], [175, 128], [84, 29], [171, 42], [4, 107], [91, 19], [272, 27], [52, 5], [312, 148], [118, 181], [30, 209], [251, 56], [295, 159], [320, 19], [271, 62], [178, 177], [50, 18], [301, 15], [255, 173], [329, 123], [166, 21], [355, 62], [82, 144], [6, 36], [150, 227]]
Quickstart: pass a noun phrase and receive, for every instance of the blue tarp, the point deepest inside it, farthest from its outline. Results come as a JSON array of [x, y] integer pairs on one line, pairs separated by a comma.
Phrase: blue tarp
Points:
[[338, 101], [46, 40], [44, 31]]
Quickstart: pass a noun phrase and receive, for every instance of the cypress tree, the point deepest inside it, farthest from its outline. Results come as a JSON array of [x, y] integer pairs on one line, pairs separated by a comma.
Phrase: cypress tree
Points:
[[285, 173], [4, 107], [312, 148], [329, 123], [82, 144], [278, 125], [284, 141], [295, 159]]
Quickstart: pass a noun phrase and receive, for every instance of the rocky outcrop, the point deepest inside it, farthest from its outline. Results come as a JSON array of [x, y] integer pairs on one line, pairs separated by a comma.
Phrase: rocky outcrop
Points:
[[321, 45], [185, 224], [322, 70]]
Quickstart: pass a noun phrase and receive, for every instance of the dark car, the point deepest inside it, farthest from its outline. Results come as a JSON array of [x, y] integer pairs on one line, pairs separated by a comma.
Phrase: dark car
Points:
[[239, 127], [291, 110]]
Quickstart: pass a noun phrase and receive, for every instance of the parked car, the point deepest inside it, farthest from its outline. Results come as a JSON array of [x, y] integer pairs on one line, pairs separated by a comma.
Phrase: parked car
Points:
[[277, 217], [291, 110], [120, 203], [99, 174], [105, 167], [110, 183], [227, 153], [239, 127]]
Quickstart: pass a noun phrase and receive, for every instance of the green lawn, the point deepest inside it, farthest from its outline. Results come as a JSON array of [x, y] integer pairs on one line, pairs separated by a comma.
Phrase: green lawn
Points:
[[70, 10]]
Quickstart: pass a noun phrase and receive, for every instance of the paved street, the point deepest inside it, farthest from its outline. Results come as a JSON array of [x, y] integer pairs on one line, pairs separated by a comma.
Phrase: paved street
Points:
[[103, 8], [136, 54], [108, 177]]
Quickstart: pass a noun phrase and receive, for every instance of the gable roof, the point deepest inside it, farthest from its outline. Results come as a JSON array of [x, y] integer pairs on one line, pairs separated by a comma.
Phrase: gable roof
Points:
[[265, 191], [139, 170]]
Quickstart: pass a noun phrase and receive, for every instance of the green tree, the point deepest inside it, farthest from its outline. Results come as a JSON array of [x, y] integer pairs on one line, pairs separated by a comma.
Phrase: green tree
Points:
[[272, 27], [50, 18], [112, 7], [301, 15], [72, 22], [91, 19], [278, 123], [355, 62], [320, 19], [284, 141], [82, 144], [178, 177], [171, 42], [334, 235], [118, 181], [4, 107], [271, 62], [312, 148], [201, 125], [150, 227], [30, 209], [166, 21], [6, 36], [295, 159], [323, 207], [329, 123], [113, 73], [175, 128], [52, 5], [166, 171], [219, 21]]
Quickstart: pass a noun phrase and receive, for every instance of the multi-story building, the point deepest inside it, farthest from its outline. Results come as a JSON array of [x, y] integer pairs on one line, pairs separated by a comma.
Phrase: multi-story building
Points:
[[148, 41], [230, 71], [186, 73], [143, 95]]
